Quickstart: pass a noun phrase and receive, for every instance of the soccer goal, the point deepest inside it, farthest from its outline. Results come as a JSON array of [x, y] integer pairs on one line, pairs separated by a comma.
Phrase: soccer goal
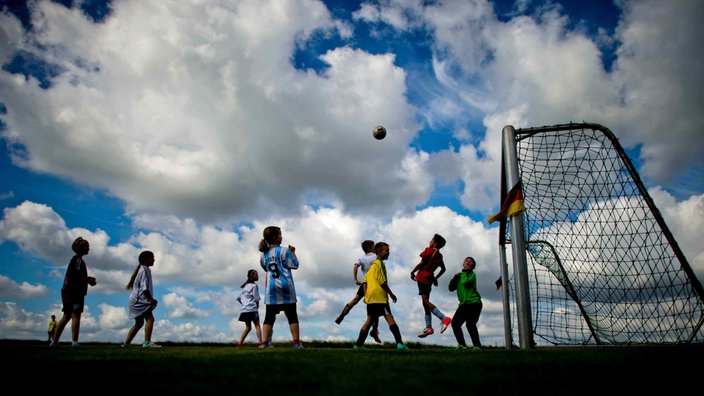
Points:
[[593, 260]]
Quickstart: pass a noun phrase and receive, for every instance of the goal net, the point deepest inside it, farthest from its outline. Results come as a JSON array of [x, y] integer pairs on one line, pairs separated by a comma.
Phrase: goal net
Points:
[[601, 265]]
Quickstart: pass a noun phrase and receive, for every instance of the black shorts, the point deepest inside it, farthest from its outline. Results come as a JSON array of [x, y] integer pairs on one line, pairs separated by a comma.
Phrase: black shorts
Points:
[[249, 317], [72, 304], [424, 288], [274, 309], [378, 310]]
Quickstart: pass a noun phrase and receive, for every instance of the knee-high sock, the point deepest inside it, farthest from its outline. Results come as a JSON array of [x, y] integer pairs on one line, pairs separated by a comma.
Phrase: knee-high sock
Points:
[[345, 310], [397, 333], [436, 311], [363, 333]]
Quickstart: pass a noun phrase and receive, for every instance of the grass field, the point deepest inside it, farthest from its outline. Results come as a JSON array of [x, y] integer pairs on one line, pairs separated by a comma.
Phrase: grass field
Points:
[[335, 369]]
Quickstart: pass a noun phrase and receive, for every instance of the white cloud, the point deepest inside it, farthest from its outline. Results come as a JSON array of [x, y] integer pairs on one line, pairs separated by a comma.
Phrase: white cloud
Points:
[[11, 289], [196, 119], [210, 120], [659, 69]]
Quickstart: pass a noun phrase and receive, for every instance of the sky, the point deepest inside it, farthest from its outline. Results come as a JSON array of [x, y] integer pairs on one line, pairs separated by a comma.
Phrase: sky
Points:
[[187, 127]]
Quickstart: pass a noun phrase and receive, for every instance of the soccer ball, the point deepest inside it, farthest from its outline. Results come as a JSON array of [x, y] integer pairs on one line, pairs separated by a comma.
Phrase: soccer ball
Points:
[[379, 132]]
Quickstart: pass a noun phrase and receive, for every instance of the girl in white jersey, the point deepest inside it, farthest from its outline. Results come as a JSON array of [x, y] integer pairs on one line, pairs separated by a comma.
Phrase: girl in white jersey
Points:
[[141, 301], [279, 291], [249, 298]]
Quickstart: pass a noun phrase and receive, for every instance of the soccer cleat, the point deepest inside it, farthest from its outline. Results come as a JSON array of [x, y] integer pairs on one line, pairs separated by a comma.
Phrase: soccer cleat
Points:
[[446, 322], [297, 346], [53, 344], [150, 345], [75, 345], [401, 346], [375, 335], [461, 348], [426, 332], [477, 348], [356, 348]]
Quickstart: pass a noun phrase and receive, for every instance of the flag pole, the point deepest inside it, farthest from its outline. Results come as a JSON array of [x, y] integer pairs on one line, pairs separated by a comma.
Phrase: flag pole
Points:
[[518, 244]]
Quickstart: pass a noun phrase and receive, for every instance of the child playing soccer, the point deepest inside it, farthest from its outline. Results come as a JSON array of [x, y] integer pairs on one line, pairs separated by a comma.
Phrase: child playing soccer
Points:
[[424, 275]]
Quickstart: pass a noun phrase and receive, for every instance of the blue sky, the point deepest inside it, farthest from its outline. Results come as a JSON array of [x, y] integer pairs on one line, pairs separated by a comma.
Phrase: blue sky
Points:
[[186, 129]]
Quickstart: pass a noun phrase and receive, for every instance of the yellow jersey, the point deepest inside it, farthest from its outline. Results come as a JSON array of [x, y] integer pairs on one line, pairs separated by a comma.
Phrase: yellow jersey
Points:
[[374, 278]]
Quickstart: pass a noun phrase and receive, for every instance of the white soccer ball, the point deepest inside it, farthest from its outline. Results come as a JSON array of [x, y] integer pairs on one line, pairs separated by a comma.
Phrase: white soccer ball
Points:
[[379, 132]]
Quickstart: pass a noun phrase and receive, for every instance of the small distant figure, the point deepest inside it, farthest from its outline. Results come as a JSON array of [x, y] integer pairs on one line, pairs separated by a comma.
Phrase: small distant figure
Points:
[[376, 296], [73, 292], [52, 327], [424, 274], [279, 291], [249, 298], [362, 263], [141, 301], [470, 304]]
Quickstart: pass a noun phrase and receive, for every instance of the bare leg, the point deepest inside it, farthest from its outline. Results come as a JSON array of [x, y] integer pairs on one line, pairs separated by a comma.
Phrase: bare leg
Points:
[[390, 320], [75, 326], [295, 331], [138, 323], [267, 333], [60, 328], [247, 328], [149, 328], [427, 305], [258, 330]]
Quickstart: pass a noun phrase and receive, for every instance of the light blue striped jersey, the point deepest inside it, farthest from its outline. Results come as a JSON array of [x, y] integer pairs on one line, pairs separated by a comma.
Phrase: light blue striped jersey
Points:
[[277, 263]]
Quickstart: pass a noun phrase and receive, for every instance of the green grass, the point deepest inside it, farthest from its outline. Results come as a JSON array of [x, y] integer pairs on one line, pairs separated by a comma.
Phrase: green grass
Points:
[[335, 369]]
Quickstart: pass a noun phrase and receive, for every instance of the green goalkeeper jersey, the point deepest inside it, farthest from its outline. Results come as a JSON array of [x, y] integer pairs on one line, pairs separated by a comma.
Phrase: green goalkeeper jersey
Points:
[[466, 286]]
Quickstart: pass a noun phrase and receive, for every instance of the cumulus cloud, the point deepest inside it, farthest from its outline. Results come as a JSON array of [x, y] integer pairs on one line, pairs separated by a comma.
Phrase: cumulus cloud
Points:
[[197, 120], [11, 289], [210, 120]]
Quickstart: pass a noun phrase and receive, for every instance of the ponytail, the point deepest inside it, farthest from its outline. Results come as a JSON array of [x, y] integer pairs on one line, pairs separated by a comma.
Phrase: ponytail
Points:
[[132, 278]]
